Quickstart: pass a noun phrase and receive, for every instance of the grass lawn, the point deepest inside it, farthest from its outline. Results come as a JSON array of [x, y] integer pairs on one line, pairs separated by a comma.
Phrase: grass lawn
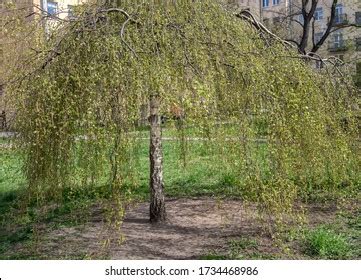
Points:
[[201, 177], [11, 176]]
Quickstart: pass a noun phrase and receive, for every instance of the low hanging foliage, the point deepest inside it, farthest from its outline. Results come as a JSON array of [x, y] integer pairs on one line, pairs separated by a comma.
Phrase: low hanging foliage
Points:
[[266, 116]]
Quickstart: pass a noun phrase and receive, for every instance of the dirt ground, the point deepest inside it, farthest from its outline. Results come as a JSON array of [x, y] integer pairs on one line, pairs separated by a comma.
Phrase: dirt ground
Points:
[[196, 228]]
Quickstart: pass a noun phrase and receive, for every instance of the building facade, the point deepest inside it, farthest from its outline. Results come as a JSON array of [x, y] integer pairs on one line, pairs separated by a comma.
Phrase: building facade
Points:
[[285, 18], [59, 8]]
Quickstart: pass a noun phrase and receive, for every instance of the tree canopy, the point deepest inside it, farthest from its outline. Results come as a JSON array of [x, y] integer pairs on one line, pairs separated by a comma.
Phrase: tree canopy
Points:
[[80, 101]]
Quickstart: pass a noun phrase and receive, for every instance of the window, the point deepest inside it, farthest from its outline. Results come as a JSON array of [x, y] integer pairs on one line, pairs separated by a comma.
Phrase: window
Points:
[[337, 43], [276, 2], [339, 9], [265, 3], [338, 40], [52, 8], [358, 18], [318, 13], [339, 13]]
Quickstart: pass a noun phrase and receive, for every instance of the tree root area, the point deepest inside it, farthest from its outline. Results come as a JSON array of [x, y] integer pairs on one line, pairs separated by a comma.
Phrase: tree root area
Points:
[[195, 229]]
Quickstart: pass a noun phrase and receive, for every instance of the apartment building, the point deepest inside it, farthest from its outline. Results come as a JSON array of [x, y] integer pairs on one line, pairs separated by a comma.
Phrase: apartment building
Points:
[[285, 18], [60, 8]]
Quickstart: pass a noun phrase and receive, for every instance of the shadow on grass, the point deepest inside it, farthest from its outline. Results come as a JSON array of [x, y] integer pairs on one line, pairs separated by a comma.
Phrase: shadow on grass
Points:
[[12, 231], [22, 224]]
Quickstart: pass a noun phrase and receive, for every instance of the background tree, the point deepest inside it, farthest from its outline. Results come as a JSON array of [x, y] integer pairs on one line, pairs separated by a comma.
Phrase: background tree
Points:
[[300, 21], [308, 9]]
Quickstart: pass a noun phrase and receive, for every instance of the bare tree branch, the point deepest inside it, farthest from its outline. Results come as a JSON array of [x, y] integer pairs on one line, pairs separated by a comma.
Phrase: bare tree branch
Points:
[[328, 29]]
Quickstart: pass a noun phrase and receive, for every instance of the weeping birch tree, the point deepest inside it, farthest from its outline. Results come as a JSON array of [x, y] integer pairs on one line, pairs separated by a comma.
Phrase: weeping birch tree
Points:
[[80, 99]]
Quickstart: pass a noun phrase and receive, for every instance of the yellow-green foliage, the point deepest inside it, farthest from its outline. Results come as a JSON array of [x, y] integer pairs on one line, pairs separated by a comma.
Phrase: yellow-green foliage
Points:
[[77, 113]]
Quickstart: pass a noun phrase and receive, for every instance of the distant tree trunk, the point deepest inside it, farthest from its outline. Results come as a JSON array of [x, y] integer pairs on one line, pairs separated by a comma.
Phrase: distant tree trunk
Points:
[[3, 122], [157, 205]]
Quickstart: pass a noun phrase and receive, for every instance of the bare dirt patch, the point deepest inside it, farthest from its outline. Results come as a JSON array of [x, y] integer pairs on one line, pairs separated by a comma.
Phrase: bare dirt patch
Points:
[[195, 228]]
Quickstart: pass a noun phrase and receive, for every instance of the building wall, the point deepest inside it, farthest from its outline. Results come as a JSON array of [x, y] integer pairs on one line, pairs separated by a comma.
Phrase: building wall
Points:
[[340, 43], [63, 7], [281, 17]]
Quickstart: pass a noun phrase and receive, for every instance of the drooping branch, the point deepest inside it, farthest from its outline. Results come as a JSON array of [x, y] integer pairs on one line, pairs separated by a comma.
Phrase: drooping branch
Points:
[[122, 29], [303, 54], [84, 22], [250, 18]]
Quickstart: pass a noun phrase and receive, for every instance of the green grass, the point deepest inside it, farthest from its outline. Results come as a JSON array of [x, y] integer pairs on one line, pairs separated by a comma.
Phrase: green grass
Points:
[[240, 249], [11, 183], [11, 177], [198, 178], [324, 243], [340, 240], [203, 175]]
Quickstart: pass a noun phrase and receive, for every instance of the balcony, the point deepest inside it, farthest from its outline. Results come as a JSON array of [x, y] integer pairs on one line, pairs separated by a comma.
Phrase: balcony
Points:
[[337, 46], [341, 19]]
